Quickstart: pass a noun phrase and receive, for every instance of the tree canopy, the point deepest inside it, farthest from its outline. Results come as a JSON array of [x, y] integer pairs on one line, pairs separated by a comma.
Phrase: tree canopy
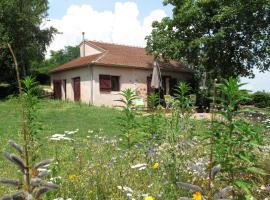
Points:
[[220, 37], [56, 58], [21, 24]]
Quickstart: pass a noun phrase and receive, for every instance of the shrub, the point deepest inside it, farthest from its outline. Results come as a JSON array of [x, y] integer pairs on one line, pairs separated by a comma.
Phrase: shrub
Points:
[[261, 99]]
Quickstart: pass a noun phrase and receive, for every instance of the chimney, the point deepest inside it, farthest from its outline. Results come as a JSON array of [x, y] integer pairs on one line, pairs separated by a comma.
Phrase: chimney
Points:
[[83, 39]]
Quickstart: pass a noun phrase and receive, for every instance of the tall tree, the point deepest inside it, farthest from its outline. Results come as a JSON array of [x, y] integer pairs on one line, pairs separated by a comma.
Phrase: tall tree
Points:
[[21, 25], [221, 37], [56, 58]]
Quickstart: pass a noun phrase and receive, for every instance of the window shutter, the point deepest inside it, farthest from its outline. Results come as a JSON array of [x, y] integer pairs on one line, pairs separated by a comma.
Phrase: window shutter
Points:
[[105, 82]]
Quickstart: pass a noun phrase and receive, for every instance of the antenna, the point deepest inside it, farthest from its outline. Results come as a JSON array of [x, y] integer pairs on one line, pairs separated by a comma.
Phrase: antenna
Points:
[[83, 40], [83, 33]]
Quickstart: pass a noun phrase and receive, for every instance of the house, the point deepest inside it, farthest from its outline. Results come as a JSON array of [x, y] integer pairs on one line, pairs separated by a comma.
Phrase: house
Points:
[[105, 69]]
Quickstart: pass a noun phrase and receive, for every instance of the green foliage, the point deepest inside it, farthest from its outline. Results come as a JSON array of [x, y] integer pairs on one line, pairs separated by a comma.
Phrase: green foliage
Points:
[[127, 121], [56, 58], [153, 101], [93, 163], [38, 187], [30, 184], [41, 68], [20, 25], [154, 121], [183, 101], [236, 141], [215, 36], [31, 90], [261, 99]]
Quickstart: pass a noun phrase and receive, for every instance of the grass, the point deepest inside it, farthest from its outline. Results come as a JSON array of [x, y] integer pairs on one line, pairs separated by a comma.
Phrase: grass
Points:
[[59, 116], [54, 117], [96, 166]]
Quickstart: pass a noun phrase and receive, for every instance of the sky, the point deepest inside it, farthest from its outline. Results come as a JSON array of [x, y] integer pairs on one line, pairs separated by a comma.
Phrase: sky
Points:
[[117, 21]]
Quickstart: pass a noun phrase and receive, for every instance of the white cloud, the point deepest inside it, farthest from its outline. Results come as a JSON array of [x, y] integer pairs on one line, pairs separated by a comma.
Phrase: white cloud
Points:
[[119, 26]]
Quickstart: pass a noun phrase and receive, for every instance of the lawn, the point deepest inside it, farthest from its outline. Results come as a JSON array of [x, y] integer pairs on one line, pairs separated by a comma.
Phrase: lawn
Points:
[[55, 117], [97, 162]]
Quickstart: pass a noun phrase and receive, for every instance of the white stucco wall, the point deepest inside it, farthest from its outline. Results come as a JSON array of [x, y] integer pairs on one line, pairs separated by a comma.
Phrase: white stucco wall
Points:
[[85, 77], [136, 79]]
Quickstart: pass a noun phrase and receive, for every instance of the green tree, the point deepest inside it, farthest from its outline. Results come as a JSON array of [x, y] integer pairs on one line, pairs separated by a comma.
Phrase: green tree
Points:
[[222, 38], [57, 58], [21, 26], [40, 68]]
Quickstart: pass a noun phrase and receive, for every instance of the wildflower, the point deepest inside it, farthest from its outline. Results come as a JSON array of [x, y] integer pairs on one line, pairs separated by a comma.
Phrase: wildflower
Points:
[[58, 137], [127, 189], [119, 187], [155, 166], [72, 177], [197, 196], [139, 166], [149, 198]]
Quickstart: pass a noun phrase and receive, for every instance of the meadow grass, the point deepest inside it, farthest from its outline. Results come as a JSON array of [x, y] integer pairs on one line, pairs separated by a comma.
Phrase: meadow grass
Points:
[[59, 116], [96, 165]]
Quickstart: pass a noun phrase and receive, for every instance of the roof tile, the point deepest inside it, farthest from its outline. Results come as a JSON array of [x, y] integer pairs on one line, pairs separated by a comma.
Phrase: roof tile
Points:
[[120, 55]]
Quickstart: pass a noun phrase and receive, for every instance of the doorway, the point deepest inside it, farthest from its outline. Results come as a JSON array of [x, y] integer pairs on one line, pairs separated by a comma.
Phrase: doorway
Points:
[[77, 88], [57, 89]]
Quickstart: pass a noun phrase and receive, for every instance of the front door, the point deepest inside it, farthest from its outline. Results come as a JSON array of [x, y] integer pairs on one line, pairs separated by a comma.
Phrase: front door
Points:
[[57, 90], [77, 89]]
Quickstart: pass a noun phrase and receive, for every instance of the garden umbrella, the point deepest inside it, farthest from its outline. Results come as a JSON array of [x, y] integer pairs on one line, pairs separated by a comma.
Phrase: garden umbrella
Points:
[[156, 76]]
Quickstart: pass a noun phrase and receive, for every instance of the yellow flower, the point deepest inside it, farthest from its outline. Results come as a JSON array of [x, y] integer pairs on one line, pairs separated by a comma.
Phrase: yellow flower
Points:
[[149, 198], [197, 196], [156, 166], [72, 177]]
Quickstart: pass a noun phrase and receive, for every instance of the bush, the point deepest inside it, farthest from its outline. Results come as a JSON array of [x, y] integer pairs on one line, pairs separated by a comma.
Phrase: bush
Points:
[[261, 99]]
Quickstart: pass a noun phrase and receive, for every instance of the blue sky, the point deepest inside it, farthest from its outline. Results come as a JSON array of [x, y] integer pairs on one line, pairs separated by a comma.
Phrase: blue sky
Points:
[[58, 8], [118, 21]]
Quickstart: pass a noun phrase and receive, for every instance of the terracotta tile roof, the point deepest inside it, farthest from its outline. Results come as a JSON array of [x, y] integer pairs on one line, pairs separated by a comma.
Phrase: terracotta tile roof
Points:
[[119, 56], [79, 62]]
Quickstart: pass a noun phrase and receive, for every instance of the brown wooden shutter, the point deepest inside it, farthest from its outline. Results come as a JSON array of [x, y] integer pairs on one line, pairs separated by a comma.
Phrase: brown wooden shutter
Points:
[[105, 83], [57, 90], [77, 89]]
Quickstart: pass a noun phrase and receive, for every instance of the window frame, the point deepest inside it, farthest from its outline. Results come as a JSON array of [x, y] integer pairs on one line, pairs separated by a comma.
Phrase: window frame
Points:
[[106, 83]]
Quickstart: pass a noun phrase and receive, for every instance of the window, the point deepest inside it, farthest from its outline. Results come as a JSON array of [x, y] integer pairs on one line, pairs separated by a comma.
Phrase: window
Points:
[[115, 83], [109, 83]]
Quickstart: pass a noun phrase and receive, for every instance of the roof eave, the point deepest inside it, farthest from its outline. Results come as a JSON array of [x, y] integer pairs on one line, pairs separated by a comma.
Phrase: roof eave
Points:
[[69, 68], [146, 68]]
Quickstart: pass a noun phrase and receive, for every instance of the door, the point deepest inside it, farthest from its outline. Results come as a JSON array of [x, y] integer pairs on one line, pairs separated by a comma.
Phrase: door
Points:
[[65, 88], [77, 88], [57, 90]]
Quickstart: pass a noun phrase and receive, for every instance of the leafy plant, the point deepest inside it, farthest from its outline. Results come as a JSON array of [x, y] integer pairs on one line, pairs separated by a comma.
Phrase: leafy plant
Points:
[[30, 92], [154, 120], [128, 122], [236, 141], [198, 193], [183, 101], [153, 101], [36, 187], [32, 186]]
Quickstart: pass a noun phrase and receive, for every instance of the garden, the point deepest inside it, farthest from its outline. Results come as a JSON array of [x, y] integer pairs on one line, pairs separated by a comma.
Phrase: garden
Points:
[[66, 150]]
